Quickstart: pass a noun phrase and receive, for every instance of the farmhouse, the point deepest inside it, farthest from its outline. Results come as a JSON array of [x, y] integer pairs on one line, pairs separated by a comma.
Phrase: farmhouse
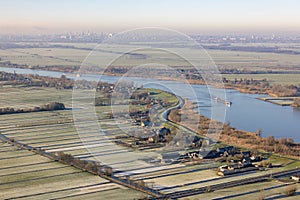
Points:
[[295, 178]]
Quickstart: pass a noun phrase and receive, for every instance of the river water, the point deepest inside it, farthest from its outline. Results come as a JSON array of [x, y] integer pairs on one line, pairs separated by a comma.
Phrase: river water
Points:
[[246, 112]]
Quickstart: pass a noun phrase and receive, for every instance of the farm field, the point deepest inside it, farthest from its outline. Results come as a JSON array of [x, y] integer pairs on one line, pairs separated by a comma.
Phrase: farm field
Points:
[[56, 131], [21, 97], [253, 60], [294, 47], [252, 191], [25, 175]]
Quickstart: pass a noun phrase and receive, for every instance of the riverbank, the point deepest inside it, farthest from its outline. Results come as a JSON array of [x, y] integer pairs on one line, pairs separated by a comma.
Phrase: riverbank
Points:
[[232, 136], [271, 119], [259, 86], [281, 101]]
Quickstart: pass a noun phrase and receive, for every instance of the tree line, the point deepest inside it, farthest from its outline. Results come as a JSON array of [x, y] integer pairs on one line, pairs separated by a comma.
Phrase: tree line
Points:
[[46, 107], [262, 87]]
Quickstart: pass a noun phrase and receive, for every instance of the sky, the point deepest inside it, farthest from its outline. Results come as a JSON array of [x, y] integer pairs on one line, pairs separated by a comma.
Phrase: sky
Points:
[[190, 16]]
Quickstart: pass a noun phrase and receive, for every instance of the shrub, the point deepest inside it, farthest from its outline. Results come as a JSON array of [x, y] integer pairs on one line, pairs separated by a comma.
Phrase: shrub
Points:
[[290, 190]]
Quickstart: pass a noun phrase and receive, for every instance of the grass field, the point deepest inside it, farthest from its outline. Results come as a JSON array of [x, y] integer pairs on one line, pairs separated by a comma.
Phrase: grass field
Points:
[[284, 79], [75, 54]]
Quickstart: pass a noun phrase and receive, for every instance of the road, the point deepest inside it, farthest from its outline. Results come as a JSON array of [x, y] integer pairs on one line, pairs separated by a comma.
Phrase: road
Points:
[[164, 116]]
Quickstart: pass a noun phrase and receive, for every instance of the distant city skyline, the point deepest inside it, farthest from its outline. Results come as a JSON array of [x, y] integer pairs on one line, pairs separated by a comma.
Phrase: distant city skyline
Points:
[[190, 16]]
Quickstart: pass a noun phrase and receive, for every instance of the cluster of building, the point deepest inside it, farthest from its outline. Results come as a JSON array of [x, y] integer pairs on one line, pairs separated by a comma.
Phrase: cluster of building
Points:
[[231, 154], [203, 153], [241, 161], [154, 136], [151, 138]]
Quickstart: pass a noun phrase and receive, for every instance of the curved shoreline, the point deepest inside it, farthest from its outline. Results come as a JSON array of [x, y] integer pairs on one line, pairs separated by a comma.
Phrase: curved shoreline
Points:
[[44, 73], [229, 139], [73, 73]]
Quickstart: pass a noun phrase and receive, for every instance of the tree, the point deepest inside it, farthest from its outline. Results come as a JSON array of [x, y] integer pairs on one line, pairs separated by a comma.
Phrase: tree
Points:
[[141, 183], [296, 102], [259, 132], [290, 190], [270, 140], [108, 170], [56, 106], [261, 197], [90, 166], [229, 158], [68, 158]]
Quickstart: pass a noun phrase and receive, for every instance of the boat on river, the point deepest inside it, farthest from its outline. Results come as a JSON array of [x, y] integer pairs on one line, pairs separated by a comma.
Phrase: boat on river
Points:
[[226, 102]]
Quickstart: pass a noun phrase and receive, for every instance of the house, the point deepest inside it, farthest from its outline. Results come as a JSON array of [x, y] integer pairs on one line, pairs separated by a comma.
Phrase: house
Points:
[[244, 164], [295, 178], [211, 154], [221, 150], [151, 139], [247, 160], [246, 154], [256, 158], [227, 149], [225, 154], [194, 155], [190, 155], [145, 123], [184, 156], [196, 142], [164, 131], [236, 171], [225, 168], [169, 157]]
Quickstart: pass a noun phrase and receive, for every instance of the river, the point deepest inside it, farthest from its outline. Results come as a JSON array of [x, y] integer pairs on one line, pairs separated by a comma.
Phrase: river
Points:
[[246, 112]]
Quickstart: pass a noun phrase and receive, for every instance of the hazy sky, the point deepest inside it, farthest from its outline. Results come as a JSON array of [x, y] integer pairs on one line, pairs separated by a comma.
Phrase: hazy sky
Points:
[[42, 16]]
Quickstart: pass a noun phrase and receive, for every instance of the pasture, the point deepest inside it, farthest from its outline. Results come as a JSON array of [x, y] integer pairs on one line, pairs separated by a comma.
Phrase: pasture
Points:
[[72, 54]]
